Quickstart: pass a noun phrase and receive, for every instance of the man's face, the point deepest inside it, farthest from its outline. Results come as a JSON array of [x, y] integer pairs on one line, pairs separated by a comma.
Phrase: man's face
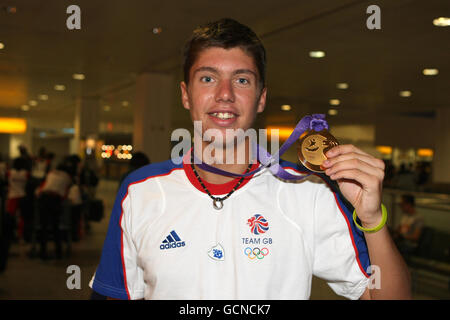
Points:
[[223, 91]]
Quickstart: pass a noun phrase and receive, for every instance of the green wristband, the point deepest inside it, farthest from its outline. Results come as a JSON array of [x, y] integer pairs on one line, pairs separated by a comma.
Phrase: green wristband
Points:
[[377, 228]]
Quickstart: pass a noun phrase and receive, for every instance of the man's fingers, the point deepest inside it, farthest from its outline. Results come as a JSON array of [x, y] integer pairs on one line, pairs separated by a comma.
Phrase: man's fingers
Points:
[[377, 163], [357, 175], [358, 164], [342, 149]]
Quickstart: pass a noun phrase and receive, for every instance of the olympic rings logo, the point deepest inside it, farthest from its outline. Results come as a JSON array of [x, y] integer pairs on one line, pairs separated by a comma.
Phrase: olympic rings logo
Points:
[[256, 253]]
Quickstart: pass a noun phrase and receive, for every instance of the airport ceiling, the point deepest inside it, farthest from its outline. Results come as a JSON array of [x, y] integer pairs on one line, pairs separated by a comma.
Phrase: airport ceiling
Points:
[[117, 41]]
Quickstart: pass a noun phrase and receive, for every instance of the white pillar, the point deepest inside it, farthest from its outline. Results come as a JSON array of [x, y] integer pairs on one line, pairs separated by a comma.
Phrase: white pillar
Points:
[[152, 115], [441, 157]]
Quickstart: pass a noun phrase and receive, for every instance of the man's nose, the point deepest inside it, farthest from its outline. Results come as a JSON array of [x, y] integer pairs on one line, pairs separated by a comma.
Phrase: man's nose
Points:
[[225, 91]]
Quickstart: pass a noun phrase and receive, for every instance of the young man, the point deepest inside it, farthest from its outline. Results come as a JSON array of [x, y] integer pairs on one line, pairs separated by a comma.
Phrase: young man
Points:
[[179, 232], [408, 232]]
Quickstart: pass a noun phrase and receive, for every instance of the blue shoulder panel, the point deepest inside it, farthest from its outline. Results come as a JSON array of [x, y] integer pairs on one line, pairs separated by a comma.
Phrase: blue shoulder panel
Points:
[[110, 277]]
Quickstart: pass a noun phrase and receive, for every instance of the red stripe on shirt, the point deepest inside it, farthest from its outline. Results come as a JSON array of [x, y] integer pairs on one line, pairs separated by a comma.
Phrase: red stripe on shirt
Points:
[[351, 235], [121, 252], [345, 217]]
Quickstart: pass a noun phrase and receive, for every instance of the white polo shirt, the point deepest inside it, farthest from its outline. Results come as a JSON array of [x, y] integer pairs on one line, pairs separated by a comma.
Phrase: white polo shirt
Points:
[[166, 241], [17, 180]]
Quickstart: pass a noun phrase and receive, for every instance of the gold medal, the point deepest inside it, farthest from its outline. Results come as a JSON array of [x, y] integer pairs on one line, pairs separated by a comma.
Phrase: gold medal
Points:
[[312, 149]]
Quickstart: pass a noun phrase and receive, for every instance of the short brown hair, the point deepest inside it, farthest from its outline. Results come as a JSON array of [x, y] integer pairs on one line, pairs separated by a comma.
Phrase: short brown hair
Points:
[[225, 33]]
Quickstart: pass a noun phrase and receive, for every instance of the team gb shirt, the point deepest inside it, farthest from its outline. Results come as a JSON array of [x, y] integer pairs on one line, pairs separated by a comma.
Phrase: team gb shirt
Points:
[[166, 241]]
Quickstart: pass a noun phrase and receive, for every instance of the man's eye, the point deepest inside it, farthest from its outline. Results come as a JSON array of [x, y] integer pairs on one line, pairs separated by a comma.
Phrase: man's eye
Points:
[[205, 79], [243, 81]]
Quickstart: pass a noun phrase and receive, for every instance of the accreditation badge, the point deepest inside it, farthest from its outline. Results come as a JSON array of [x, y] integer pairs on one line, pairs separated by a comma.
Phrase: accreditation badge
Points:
[[313, 146]]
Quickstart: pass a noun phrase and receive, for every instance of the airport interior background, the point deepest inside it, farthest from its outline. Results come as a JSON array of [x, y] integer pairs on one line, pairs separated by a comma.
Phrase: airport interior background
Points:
[[100, 82]]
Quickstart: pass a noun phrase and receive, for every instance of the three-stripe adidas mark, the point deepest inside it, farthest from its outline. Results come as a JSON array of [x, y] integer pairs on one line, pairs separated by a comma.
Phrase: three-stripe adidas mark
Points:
[[171, 241]]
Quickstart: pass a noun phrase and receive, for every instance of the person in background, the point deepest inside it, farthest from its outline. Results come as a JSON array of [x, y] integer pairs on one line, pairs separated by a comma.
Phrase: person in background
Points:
[[37, 177], [389, 174], [39, 169], [423, 175], [409, 230], [75, 204], [88, 177], [74, 196], [50, 201], [405, 179], [3, 178], [17, 181], [28, 161], [3, 168], [139, 160], [88, 184], [5, 221], [49, 162]]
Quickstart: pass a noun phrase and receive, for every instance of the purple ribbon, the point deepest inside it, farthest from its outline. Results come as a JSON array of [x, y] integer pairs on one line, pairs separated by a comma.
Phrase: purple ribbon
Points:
[[315, 122]]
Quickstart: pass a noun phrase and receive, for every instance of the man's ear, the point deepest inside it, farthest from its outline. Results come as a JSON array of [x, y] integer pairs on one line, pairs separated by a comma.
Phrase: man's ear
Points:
[[262, 100], [184, 96]]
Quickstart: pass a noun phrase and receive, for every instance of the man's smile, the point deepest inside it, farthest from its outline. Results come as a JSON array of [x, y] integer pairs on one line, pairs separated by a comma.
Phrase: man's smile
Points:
[[223, 115], [223, 119]]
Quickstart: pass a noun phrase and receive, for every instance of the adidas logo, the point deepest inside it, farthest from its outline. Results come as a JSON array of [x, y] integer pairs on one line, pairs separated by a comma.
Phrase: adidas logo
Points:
[[171, 241]]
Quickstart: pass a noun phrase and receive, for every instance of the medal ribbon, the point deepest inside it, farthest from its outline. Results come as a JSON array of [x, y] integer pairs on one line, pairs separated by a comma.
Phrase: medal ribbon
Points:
[[314, 122]]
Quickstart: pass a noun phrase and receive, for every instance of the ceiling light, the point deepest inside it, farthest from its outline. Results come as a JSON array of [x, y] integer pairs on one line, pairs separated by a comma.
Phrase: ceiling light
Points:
[[405, 93], [78, 76], [2, 45], [32, 103], [442, 22], [25, 107], [60, 87], [430, 72], [125, 103], [335, 102], [342, 85], [317, 54], [43, 97], [286, 107], [332, 112]]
